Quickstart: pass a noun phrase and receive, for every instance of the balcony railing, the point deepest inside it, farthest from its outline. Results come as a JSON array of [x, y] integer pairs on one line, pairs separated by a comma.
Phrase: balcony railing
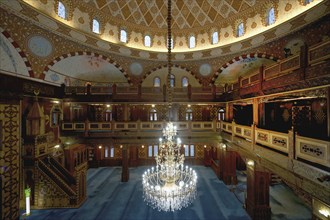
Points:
[[309, 149], [139, 125]]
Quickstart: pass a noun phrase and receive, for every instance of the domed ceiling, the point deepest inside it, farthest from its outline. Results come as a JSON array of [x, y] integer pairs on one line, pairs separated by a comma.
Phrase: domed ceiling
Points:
[[186, 14], [198, 18]]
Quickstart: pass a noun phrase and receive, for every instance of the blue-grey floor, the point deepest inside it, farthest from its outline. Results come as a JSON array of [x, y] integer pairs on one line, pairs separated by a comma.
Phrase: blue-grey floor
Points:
[[285, 205], [108, 198]]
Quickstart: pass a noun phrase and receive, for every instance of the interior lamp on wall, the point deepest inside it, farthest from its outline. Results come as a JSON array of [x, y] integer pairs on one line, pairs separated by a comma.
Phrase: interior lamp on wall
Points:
[[170, 186]]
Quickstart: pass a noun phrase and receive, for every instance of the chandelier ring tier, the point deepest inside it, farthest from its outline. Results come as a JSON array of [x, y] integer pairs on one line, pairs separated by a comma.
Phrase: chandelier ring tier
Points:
[[170, 186]]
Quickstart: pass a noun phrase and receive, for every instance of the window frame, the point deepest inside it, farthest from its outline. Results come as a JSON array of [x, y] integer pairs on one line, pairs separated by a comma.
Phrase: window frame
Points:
[[99, 26], [154, 82], [192, 44], [189, 150], [240, 27], [121, 36], [150, 42], [269, 16], [61, 3], [217, 37]]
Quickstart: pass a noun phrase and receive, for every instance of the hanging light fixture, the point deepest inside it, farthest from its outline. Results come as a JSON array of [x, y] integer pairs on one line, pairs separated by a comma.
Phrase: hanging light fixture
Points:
[[169, 186]]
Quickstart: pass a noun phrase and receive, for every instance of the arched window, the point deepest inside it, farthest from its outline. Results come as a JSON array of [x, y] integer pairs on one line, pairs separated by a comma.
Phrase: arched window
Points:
[[192, 42], [147, 41], [123, 36], [153, 114], [157, 82], [215, 37], [172, 80], [172, 43], [96, 26], [271, 16], [61, 11], [240, 29], [189, 114], [221, 114], [185, 81]]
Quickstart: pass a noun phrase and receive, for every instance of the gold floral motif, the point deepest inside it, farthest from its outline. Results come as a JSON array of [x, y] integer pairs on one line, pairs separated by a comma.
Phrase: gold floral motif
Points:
[[253, 25], [81, 20], [288, 7]]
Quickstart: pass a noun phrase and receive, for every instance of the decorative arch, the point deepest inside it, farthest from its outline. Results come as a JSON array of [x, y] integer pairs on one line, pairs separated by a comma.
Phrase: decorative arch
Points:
[[239, 58], [80, 53], [165, 65], [20, 52]]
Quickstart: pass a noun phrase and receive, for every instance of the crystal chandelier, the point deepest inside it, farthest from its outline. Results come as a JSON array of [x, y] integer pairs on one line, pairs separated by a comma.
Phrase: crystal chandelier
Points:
[[170, 185]]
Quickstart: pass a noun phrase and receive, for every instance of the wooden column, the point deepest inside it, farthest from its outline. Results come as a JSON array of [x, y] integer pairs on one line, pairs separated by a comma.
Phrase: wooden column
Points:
[[133, 156], [207, 156], [240, 163], [257, 201], [228, 166], [255, 112], [125, 173]]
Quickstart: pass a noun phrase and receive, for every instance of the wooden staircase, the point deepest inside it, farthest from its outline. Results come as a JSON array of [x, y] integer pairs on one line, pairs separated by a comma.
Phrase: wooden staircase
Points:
[[56, 187]]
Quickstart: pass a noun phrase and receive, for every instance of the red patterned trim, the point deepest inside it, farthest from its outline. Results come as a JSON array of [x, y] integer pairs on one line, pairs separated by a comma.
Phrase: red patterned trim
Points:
[[20, 52]]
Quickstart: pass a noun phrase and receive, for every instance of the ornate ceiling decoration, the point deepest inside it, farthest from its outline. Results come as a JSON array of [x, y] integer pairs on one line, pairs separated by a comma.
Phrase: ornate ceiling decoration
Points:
[[190, 17], [186, 14]]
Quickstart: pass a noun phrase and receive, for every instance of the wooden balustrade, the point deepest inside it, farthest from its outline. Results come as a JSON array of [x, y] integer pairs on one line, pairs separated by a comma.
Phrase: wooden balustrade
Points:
[[309, 149], [139, 125]]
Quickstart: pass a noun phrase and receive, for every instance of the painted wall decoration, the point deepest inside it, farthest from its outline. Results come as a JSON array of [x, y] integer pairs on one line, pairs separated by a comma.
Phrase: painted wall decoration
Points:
[[205, 69], [10, 59], [136, 68], [40, 46], [80, 69]]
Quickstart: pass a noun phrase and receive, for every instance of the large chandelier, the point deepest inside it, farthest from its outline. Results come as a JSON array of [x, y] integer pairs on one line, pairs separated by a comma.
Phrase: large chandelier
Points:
[[170, 185]]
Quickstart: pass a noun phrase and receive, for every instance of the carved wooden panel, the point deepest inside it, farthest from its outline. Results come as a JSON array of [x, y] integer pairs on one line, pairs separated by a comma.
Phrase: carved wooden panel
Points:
[[9, 160]]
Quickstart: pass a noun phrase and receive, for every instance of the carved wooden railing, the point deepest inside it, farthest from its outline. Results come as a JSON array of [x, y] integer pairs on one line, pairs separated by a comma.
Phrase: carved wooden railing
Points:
[[139, 125], [314, 150], [309, 149]]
